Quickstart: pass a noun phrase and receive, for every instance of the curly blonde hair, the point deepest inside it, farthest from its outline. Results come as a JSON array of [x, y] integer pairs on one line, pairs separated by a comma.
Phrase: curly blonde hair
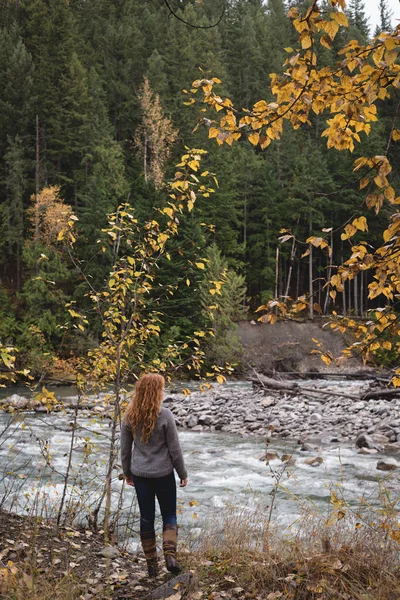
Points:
[[145, 404]]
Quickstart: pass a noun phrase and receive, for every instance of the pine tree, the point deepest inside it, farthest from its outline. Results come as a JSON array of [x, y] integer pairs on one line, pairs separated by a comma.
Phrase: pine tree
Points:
[[358, 21], [386, 16]]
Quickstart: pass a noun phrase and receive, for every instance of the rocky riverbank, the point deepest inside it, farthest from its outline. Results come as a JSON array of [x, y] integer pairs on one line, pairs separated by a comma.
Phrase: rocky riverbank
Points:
[[323, 410], [303, 415]]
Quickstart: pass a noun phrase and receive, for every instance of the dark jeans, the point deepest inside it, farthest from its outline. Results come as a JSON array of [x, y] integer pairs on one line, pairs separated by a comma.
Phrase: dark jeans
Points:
[[146, 490]]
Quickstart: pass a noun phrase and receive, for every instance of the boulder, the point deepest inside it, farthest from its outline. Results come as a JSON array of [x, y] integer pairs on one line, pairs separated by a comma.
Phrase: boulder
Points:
[[387, 464], [365, 441]]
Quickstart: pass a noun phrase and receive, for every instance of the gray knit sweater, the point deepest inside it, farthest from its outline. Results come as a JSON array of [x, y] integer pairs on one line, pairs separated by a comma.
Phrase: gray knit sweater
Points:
[[157, 457]]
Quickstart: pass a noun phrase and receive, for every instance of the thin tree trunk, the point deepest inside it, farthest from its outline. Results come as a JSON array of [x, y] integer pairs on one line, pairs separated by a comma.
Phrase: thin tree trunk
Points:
[[145, 158], [362, 294], [344, 299], [112, 456], [329, 275], [349, 297], [292, 255], [37, 176], [276, 271], [69, 464], [310, 282], [356, 312]]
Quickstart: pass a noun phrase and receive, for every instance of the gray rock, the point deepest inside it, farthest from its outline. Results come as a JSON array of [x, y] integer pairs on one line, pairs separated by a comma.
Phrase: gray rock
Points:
[[380, 439], [365, 441], [315, 418], [387, 464], [169, 588], [197, 428], [205, 419], [192, 421], [109, 552], [367, 451]]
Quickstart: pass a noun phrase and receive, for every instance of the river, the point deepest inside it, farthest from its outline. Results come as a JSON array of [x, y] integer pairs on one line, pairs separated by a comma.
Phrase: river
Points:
[[225, 471]]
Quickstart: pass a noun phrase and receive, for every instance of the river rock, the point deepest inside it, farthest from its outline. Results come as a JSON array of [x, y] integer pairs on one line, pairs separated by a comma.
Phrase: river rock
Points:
[[205, 419], [365, 441], [315, 418], [314, 461], [367, 451], [192, 421], [387, 464], [197, 428], [270, 455], [380, 438]]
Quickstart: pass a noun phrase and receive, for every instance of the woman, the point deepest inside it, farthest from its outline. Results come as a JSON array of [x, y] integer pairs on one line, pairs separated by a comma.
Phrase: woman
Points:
[[150, 469]]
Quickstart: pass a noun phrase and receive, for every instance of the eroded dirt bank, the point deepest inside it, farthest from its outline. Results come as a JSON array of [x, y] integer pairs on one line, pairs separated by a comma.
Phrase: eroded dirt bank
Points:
[[288, 345]]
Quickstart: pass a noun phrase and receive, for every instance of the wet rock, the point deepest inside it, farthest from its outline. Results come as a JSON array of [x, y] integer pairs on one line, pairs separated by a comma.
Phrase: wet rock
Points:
[[270, 455], [192, 421], [205, 419], [380, 439], [365, 441], [197, 428], [314, 461], [387, 464], [367, 451]]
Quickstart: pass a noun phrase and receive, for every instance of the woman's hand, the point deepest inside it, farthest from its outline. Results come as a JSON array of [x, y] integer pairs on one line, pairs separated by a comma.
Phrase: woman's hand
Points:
[[184, 482], [129, 481]]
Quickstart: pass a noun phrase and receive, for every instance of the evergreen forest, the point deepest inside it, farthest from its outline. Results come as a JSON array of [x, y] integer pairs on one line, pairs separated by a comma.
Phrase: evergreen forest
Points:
[[92, 109]]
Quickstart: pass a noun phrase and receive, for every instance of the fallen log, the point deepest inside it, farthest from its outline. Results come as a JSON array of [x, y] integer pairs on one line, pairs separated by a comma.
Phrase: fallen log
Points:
[[381, 393], [274, 385]]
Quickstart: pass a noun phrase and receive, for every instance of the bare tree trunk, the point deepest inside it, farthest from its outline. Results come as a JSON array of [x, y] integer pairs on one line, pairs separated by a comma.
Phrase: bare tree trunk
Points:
[[112, 454], [349, 297], [145, 158], [356, 312], [37, 176], [69, 464], [310, 282], [276, 271], [362, 294], [344, 299], [292, 255], [329, 275]]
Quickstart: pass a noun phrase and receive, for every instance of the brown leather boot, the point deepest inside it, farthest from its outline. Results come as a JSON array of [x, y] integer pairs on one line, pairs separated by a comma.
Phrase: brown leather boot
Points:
[[170, 538], [148, 540]]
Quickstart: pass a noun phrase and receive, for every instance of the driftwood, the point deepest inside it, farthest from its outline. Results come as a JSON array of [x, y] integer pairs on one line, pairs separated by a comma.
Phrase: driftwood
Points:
[[381, 393], [272, 384], [361, 375]]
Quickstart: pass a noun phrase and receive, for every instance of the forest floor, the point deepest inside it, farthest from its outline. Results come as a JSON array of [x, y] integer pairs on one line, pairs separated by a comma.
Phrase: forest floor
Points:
[[41, 562], [288, 346]]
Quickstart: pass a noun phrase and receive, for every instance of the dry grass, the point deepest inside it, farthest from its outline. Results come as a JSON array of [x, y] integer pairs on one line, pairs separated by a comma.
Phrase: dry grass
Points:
[[339, 558]]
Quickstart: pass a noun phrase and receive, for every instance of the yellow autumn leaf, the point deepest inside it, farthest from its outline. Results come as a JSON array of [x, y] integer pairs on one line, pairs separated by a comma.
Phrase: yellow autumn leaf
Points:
[[361, 224], [396, 135], [220, 379], [254, 138], [200, 265], [331, 28], [213, 132]]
